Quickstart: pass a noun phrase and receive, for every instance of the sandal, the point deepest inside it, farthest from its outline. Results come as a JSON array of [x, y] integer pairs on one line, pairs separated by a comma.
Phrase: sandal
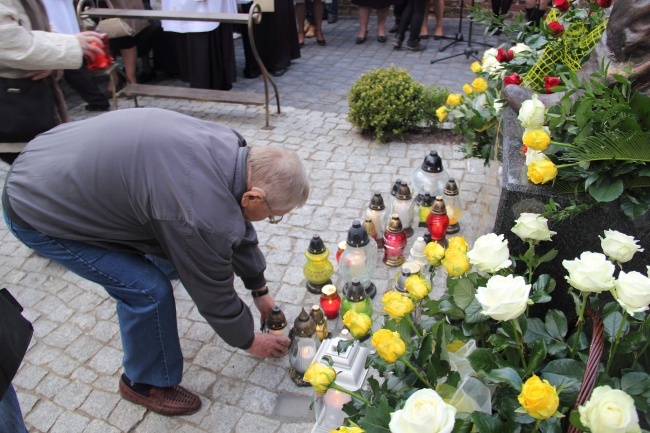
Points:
[[169, 401]]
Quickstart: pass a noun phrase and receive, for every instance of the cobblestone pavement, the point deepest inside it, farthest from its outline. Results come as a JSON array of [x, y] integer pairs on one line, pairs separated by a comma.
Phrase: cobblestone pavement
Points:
[[68, 381]]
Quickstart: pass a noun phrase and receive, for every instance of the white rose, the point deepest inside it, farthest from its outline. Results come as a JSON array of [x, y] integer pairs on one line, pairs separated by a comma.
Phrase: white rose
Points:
[[520, 48], [504, 298], [609, 411], [491, 65], [632, 291], [618, 246], [490, 253], [492, 52], [532, 226], [592, 272], [534, 155], [532, 113], [424, 412]]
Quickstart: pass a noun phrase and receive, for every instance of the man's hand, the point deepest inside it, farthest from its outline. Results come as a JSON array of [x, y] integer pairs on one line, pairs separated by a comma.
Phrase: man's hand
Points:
[[266, 345], [264, 304], [89, 50]]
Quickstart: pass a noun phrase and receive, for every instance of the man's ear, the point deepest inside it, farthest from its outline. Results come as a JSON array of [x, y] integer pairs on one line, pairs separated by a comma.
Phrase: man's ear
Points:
[[255, 194]]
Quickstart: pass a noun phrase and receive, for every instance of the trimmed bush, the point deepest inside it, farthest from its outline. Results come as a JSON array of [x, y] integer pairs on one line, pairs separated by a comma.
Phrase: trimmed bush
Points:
[[386, 101], [432, 98]]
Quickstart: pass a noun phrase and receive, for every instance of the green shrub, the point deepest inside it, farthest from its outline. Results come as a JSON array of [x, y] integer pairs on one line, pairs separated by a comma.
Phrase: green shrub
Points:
[[433, 98], [386, 101]]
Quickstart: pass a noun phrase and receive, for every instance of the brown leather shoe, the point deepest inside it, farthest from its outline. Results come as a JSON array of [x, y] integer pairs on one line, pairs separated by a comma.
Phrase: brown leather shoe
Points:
[[170, 401]]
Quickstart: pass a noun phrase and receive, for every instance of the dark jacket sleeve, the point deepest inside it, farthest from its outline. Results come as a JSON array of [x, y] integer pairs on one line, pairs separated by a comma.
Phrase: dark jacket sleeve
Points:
[[248, 261], [203, 261]]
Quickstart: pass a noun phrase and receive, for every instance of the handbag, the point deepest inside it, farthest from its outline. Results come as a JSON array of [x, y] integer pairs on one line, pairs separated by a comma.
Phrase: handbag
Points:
[[114, 27], [15, 335], [27, 108]]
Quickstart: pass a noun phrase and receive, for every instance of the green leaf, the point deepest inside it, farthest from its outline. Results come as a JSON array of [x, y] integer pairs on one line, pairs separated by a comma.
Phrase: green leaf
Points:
[[535, 331], [485, 423], [377, 418], [483, 359], [473, 313], [574, 419], [606, 191], [556, 324], [635, 383], [463, 293], [537, 356], [463, 423], [548, 256], [612, 323], [507, 375], [565, 367]]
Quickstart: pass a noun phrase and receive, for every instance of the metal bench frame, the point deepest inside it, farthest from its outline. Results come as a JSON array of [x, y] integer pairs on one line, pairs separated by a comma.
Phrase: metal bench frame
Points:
[[247, 98]]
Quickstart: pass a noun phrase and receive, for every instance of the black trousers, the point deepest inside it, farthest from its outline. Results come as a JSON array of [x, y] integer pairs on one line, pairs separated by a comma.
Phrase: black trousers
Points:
[[413, 15], [82, 83]]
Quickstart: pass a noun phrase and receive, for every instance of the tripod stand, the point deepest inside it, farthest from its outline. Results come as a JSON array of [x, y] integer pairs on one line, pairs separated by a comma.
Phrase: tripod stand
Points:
[[469, 50]]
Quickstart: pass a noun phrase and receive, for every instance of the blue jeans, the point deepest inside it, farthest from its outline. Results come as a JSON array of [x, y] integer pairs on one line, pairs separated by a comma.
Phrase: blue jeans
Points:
[[145, 301], [11, 418]]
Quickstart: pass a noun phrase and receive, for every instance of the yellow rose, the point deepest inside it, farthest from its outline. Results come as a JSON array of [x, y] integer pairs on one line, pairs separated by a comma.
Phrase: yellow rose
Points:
[[358, 323], [454, 99], [417, 286], [455, 345], [344, 429], [468, 89], [435, 252], [456, 262], [320, 376], [479, 85], [397, 305], [539, 398], [388, 344], [476, 67], [458, 243], [542, 171], [537, 139], [441, 112]]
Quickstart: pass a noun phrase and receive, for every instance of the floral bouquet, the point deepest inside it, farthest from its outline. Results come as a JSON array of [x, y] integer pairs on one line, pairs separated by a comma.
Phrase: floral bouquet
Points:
[[477, 359]]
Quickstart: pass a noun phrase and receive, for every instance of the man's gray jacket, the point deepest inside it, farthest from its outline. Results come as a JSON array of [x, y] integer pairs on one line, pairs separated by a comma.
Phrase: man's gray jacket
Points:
[[151, 181]]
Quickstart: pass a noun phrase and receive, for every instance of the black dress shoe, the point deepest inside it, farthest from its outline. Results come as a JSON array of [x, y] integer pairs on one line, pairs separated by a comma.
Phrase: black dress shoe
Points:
[[397, 42], [97, 107], [381, 39], [424, 37], [417, 46], [321, 42], [279, 72], [360, 40]]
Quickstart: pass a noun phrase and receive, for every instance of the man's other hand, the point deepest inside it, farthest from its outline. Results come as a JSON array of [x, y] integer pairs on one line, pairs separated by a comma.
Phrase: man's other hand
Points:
[[266, 345]]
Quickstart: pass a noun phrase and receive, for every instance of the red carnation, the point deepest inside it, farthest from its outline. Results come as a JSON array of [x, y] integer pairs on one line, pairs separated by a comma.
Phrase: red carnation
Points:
[[550, 82], [556, 27], [563, 5], [604, 3], [512, 79], [505, 56]]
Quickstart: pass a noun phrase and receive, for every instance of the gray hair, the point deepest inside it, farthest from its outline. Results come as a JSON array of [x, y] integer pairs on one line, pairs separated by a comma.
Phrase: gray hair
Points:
[[280, 173]]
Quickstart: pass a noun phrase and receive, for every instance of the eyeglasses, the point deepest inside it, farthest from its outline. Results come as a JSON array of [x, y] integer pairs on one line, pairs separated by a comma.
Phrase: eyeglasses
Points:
[[272, 218]]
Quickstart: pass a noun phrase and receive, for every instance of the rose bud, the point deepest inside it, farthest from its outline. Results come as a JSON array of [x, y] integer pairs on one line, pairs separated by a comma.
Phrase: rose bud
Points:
[[604, 3], [562, 5], [512, 79], [550, 82], [556, 27]]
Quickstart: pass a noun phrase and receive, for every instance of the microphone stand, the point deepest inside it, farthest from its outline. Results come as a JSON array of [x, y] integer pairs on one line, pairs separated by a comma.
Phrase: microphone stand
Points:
[[469, 51]]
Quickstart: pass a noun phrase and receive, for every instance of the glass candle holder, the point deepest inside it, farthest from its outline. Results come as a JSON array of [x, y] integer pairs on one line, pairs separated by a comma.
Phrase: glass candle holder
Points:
[[317, 269], [330, 302], [356, 299], [453, 205], [321, 322], [394, 242], [276, 323], [438, 221]]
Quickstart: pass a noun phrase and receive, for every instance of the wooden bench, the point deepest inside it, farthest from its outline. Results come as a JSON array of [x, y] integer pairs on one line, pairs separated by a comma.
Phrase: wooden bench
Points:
[[208, 95]]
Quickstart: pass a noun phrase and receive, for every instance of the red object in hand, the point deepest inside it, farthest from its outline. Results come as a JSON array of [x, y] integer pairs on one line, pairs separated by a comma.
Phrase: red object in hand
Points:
[[550, 82], [505, 56], [101, 60], [556, 27], [604, 3], [563, 5], [512, 79]]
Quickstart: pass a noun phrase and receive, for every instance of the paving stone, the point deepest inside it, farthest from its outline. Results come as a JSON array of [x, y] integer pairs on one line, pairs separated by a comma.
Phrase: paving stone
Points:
[[106, 361], [70, 423], [126, 415], [73, 395], [29, 376], [99, 404], [99, 426], [43, 416], [51, 385], [252, 423], [224, 418]]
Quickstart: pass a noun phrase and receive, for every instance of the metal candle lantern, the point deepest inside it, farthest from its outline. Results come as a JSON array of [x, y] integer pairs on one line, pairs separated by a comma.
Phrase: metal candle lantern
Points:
[[356, 299], [402, 205], [276, 323], [438, 221], [359, 259], [424, 209], [430, 177], [304, 344], [321, 322], [351, 374], [318, 268], [376, 212], [453, 205], [330, 302], [394, 242]]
